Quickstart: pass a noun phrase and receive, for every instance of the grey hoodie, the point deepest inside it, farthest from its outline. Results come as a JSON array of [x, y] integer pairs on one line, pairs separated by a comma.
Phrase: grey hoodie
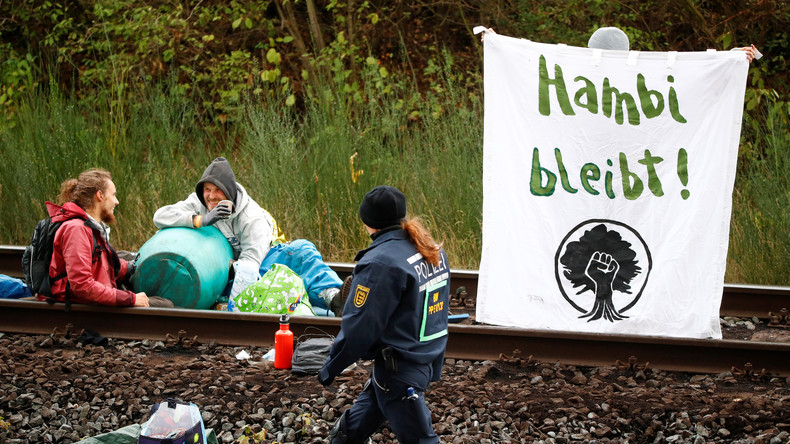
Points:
[[220, 174], [249, 230]]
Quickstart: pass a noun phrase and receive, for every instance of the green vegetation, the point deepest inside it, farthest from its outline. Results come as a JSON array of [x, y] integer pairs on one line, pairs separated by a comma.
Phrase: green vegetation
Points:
[[316, 102], [760, 228], [309, 169]]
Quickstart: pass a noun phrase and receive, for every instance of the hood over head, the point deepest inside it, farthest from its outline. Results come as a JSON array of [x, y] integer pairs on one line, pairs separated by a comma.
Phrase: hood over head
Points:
[[221, 175]]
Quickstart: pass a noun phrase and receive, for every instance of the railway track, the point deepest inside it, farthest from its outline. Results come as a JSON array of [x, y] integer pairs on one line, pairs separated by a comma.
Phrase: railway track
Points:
[[474, 342], [738, 300]]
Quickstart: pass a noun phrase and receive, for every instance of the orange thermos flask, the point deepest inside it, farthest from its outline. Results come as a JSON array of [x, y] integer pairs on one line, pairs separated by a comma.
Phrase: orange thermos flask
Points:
[[283, 344]]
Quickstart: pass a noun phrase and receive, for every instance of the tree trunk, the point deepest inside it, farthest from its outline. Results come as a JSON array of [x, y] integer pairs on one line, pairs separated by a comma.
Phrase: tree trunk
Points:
[[291, 23], [315, 29]]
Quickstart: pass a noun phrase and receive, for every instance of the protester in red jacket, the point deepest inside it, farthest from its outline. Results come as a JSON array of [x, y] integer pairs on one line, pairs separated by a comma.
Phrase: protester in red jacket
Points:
[[82, 252]]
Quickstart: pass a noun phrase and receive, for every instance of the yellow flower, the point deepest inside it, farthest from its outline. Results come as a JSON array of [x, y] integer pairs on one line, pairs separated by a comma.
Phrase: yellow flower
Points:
[[354, 173]]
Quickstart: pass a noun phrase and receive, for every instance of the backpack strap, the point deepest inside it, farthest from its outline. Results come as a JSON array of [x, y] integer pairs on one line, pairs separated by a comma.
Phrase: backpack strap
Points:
[[95, 256], [96, 251], [50, 299], [112, 255]]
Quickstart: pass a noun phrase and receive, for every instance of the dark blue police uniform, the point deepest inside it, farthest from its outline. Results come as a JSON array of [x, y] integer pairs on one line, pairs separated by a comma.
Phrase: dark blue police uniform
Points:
[[396, 314]]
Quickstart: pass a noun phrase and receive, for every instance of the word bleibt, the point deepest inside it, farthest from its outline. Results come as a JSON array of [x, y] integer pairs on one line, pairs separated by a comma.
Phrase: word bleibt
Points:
[[633, 184]]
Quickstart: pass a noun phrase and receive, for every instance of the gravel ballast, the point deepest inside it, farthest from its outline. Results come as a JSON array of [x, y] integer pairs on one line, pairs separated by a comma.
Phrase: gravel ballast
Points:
[[56, 389]]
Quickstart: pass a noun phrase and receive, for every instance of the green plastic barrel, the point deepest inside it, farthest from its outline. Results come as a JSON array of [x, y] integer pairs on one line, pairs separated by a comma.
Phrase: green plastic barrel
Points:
[[186, 265]]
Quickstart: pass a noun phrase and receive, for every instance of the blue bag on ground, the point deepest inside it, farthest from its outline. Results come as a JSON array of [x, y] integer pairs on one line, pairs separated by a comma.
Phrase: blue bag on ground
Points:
[[12, 288], [173, 422]]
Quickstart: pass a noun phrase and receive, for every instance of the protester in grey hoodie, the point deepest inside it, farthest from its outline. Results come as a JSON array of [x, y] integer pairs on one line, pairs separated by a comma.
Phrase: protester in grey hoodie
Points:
[[249, 229]]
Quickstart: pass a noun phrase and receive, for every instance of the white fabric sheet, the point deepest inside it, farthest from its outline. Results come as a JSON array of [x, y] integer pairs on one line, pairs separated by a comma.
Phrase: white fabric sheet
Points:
[[606, 208]]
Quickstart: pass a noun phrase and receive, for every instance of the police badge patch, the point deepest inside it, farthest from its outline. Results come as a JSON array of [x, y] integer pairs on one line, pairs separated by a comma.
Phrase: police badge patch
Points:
[[360, 295]]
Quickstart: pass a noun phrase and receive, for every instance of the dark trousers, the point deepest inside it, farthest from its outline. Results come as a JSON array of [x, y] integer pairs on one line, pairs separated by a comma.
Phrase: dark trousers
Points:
[[383, 399]]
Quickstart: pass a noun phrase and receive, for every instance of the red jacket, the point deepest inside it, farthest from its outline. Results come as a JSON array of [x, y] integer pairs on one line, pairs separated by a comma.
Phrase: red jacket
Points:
[[91, 279]]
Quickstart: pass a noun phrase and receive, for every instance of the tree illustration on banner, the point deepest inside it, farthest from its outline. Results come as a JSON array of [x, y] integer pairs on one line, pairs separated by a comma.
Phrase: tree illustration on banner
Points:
[[601, 262]]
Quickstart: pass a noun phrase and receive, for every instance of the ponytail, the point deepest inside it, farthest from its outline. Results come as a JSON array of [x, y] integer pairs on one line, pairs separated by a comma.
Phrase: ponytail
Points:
[[423, 240], [66, 191], [81, 191]]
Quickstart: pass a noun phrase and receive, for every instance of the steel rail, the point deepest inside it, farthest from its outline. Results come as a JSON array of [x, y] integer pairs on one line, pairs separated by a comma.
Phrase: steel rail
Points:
[[473, 342], [738, 300]]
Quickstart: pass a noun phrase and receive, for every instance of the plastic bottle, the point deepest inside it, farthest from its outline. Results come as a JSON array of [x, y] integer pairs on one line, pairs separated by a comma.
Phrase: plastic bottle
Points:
[[283, 344]]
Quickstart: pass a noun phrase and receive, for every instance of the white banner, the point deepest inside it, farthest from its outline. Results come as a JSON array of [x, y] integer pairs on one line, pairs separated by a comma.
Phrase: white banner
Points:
[[607, 186]]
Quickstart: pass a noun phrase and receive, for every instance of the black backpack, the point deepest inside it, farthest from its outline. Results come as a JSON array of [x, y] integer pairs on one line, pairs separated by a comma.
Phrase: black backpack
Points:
[[38, 256]]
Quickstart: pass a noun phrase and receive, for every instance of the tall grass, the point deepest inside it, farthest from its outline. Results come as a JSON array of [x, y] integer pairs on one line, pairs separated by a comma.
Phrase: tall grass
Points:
[[163, 148], [311, 171], [297, 165], [310, 168], [760, 229]]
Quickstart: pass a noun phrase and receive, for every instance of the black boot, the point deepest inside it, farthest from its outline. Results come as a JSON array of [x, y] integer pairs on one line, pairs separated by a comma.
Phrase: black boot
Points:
[[339, 434], [340, 298]]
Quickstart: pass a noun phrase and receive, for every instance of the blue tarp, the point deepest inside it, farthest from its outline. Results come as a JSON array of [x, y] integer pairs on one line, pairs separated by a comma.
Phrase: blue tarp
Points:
[[13, 288]]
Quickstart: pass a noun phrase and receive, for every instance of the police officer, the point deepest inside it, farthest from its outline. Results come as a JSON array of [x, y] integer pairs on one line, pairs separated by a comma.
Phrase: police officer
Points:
[[396, 314]]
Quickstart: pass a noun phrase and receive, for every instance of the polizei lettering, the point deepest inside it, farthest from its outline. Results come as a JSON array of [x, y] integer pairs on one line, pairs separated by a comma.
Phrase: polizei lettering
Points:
[[608, 100], [426, 271]]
